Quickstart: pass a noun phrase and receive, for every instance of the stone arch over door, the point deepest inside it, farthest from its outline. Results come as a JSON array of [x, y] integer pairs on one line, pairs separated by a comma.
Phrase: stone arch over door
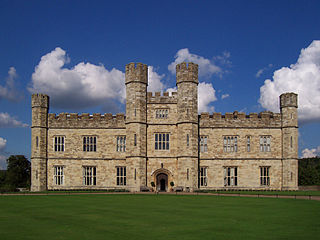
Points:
[[162, 178]]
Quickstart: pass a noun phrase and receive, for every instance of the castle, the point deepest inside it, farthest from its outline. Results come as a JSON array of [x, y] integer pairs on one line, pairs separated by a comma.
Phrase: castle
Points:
[[162, 143]]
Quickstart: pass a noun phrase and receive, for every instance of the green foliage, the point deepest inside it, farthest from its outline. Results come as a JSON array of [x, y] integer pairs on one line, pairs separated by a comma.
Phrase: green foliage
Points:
[[171, 184], [157, 217], [309, 171], [17, 174], [152, 184]]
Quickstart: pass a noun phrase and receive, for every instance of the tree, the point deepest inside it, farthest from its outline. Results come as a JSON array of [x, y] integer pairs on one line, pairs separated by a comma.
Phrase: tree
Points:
[[309, 171], [18, 172]]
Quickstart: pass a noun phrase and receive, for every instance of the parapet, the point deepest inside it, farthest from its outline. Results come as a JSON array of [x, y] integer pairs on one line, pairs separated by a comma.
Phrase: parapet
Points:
[[40, 100], [137, 73], [288, 100], [85, 120], [241, 120], [187, 72], [164, 98]]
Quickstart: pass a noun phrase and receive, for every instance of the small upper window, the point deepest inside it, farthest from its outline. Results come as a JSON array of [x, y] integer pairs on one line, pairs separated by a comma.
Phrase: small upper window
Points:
[[230, 144], [162, 113], [265, 142], [90, 144]]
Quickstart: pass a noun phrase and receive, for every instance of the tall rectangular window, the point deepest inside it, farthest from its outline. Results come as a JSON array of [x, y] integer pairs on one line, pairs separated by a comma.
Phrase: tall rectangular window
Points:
[[59, 143], [135, 140], [231, 176], [188, 140], [58, 175], [265, 142], [90, 144], [203, 176], [89, 176], [203, 144], [161, 141], [248, 144], [230, 144], [121, 143], [121, 176], [264, 176]]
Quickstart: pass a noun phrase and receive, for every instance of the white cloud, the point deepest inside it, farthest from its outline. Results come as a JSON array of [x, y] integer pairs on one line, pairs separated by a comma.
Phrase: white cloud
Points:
[[309, 153], [154, 81], [9, 91], [170, 90], [207, 95], [206, 67], [83, 85], [262, 70], [303, 78], [7, 121], [225, 96], [3, 143]]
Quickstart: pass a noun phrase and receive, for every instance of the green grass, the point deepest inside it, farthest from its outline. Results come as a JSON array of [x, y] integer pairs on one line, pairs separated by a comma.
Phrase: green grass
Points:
[[157, 217], [284, 193]]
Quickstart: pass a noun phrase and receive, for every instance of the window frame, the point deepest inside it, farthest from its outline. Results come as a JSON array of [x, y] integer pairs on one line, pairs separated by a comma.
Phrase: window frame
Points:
[[162, 113], [203, 176], [203, 143], [89, 175], [58, 175], [231, 176], [265, 143], [121, 143], [59, 143], [264, 175], [230, 143], [121, 176], [89, 143], [159, 143]]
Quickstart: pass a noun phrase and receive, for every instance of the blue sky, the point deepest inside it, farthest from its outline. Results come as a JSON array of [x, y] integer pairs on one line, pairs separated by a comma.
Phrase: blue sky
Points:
[[76, 52]]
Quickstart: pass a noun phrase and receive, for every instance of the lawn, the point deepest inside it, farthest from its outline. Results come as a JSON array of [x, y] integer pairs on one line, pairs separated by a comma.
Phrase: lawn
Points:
[[156, 217]]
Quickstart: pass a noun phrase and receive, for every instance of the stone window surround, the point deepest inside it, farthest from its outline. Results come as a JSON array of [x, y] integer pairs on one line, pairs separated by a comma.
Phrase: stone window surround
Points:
[[121, 176], [58, 175], [203, 143], [264, 175], [162, 113], [230, 176], [89, 143], [121, 143], [160, 143], [59, 143], [203, 176], [230, 143], [265, 143], [89, 175]]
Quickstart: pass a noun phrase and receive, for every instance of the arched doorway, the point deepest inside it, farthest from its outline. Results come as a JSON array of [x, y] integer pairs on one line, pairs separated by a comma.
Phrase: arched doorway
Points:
[[162, 182]]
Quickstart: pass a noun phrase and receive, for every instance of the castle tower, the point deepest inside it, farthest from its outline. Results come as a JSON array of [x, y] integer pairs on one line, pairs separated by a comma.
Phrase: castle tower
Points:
[[188, 159], [289, 119], [136, 124], [39, 130]]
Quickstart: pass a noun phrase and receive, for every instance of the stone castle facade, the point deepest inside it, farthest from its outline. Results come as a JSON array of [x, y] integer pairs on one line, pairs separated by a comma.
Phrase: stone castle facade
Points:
[[162, 143]]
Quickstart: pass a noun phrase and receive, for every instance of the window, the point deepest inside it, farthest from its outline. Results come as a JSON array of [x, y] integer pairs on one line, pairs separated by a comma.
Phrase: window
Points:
[[89, 176], [121, 143], [264, 176], [188, 140], [203, 176], [90, 144], [248, 143], [291, 141], [121, 176], [58, 175], [265, 143], [59, 144], [162, 113], [203, 144], [135, 140], [230, 143], [187, 173], [37, 141], [161, 141], [231, 176]]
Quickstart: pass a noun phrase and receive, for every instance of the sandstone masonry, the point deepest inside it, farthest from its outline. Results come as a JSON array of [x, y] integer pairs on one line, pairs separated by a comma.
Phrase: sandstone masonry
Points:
[[162, 143]]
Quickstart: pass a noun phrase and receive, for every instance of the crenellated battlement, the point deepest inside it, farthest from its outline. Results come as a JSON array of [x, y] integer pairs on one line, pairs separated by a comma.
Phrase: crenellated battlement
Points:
[[40, 100], [164, 98], [236, 119], [136, 72], [85, 120], [187, 72]]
